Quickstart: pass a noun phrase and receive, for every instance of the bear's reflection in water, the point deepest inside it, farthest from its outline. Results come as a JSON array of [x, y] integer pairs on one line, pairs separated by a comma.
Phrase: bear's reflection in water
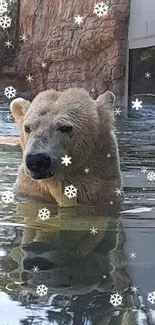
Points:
[[80, 270]]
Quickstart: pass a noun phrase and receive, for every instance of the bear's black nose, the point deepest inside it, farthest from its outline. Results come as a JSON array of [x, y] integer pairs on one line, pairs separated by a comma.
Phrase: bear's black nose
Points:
[[38, 162]]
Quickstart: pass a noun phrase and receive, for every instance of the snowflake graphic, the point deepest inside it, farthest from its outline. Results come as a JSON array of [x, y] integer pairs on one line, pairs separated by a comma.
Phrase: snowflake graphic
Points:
[[44, 214], [147, 75], [151, 176], [23, 38], [134, 289], [42, 290], [93, 231], [117, 111], [3, 6], [132, 255], [5, 22], [7, 197], [137, 104], [10, 117], [116, 299], [144, 170], [29, 78], [35, 269], [151, 297], [119, 191], [44, 65], [87, 170], [66, 160], [8, 44], [70, 191], [78, 19], [100, 9], [10, 92]]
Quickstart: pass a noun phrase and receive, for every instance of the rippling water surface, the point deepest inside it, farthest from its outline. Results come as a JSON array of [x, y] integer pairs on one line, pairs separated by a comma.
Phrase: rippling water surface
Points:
[[56, 271]]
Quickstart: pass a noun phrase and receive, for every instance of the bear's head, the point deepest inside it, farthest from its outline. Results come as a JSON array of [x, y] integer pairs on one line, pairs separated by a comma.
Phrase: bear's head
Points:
[[56, 124]]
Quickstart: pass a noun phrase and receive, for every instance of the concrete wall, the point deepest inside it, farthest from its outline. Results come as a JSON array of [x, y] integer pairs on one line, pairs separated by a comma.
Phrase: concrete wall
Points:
[[142, 24]]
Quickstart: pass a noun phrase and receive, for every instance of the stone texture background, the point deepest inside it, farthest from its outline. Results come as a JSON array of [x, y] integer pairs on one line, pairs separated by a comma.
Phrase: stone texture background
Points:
[[11, 34], [7, 55], [92, 55]]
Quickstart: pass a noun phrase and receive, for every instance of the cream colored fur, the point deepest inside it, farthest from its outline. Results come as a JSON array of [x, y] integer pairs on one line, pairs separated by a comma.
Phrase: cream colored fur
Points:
[[93, 139]]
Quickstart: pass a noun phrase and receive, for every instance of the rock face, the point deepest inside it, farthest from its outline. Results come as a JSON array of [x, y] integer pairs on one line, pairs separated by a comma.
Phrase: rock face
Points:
[[7, 53], [90, 55]]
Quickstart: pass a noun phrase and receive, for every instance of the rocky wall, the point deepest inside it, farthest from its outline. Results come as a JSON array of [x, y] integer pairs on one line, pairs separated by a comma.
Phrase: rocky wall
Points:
[[59, 53]]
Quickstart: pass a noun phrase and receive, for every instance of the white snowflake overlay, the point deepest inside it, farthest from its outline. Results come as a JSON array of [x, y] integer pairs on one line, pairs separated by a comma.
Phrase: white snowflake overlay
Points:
[[87, 170], [132, 255], [5, 22], [35, 269], [44, 214], [144, 170], [23, 38], [8, 44], [93, 230], [3, 6], [116, 299], [66, 160], [29, 78], [70, 191], [100, 9], [10, 92], [78, 19], [7, 197], [117, 111], [134, 289], [147, 75], [137, 104], [151, 176], [10, 117], [119, 191], [44, 65], [42, 290], [151, 297]]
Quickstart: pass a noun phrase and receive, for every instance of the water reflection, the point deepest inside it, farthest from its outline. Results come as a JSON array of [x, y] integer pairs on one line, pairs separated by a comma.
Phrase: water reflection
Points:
[[80, 270]]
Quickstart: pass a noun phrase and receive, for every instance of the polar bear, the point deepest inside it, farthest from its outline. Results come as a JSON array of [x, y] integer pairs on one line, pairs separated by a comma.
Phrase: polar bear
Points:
[[70, 150]]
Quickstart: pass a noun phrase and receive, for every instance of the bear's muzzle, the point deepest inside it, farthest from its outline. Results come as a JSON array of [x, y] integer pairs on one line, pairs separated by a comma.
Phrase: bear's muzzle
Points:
[[41, 166]]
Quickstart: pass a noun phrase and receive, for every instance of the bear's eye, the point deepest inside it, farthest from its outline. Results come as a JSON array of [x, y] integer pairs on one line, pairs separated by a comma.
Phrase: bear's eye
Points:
[[65, 128], [27, 129]]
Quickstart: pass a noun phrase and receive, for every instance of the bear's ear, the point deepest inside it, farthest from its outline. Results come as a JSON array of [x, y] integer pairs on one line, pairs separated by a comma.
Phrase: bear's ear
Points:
[[107, 100], [19, 107], [105, 107]]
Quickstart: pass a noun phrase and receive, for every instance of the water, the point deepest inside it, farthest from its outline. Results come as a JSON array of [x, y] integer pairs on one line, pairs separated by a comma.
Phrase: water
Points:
[[81, 271]]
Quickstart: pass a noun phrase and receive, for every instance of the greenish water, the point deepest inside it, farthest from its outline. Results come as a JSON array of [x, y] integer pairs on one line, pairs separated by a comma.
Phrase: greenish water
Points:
[[80, 271]]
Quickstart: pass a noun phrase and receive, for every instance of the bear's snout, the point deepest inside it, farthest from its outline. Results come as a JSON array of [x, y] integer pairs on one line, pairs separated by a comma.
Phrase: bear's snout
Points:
[[37, 162], [40, 165]]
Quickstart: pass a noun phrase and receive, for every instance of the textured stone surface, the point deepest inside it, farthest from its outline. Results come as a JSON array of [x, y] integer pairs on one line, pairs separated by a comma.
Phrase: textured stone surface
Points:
[[8, 71], [90, 55], [9, 34]]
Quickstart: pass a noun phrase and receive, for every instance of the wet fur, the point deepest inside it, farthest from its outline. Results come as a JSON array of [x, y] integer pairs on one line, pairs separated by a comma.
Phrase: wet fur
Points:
[[95, 131]]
